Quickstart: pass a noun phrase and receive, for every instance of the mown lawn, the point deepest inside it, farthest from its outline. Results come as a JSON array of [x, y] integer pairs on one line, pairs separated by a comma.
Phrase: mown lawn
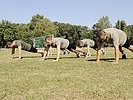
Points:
[[69, 79]]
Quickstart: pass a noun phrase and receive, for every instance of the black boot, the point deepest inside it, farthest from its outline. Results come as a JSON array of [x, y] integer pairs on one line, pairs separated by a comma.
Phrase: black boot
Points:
[[85, 54], [78, 55], [124, 56]]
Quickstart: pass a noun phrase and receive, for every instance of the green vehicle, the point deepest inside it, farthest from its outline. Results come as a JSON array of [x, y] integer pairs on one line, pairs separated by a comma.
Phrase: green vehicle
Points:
[[38, 42]]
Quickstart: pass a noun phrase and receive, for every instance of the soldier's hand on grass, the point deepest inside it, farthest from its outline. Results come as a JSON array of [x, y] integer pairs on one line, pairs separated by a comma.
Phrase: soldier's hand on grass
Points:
[[87, 56], [20, 57], [115, 62], [42, 59], [96, 62], [55, 60]]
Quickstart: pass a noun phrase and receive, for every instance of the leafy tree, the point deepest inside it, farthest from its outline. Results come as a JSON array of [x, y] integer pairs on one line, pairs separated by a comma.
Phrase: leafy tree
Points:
[[8, 30], [130, 31], [41, 26], [72, 32], [102, 23], [120, 24]]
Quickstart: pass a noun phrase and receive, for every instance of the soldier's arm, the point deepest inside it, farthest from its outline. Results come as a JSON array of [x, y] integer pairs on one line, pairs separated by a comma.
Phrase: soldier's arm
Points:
[[100, 44], [20, 51], [58, 53], [45, 52], [98, 55], [13, 49], [88, 51], [117, 54], [116, 45], [13, 52]]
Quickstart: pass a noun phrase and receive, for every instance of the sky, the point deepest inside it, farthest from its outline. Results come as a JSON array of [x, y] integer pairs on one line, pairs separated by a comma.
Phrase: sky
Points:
[[79, 12]]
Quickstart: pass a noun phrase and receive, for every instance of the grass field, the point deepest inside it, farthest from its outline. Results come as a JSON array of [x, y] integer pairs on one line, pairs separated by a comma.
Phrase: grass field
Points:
[[69, 79]]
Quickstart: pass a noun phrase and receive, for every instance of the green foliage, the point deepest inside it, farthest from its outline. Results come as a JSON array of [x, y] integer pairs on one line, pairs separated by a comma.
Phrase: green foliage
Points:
[[121, 25], [8, 30], [130, 31], [102, 23], [72, 32], [41, 26]]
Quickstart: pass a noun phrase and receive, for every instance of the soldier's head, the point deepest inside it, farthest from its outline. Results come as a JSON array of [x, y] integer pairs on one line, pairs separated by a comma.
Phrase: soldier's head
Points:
[[79, 43], [102, 36], [9, 44], [48, 40]]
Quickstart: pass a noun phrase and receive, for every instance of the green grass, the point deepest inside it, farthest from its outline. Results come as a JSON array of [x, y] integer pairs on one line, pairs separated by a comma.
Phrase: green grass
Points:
[[69, 79]]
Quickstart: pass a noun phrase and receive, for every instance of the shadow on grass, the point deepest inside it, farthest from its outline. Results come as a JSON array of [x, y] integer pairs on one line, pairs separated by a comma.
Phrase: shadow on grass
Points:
[[108, 59], [30, 57], [103, 59], [68, 57], [62, 58], [72, 57]]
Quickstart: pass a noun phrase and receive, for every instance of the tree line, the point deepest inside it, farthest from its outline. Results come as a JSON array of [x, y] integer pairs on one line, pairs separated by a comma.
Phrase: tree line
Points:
[[41, 26]]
